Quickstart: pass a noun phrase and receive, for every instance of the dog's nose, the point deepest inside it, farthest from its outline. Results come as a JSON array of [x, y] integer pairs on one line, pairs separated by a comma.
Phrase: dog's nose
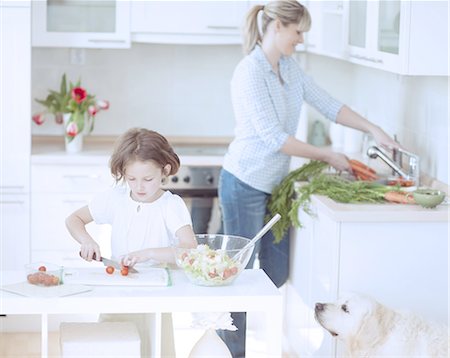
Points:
[[319, 306]]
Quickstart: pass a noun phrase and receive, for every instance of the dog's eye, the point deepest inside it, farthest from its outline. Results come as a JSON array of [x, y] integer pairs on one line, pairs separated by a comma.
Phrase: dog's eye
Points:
[[344, 308]]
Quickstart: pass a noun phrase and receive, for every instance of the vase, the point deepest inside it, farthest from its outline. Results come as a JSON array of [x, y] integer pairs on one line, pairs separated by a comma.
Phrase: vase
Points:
[[210, 345], [76, 144]]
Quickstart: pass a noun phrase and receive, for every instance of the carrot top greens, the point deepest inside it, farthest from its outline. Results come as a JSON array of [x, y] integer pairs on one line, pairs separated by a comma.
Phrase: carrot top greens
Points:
[[287, 200]]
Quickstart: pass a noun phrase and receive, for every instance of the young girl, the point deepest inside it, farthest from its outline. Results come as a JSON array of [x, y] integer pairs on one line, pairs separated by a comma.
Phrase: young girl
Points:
[[146, 220]]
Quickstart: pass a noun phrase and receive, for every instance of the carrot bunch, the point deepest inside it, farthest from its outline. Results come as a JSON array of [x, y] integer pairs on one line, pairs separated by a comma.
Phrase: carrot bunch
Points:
[[362, 171]]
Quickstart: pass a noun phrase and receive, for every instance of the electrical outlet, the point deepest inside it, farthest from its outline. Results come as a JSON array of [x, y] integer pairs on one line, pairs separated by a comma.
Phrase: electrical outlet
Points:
[[77, 56]]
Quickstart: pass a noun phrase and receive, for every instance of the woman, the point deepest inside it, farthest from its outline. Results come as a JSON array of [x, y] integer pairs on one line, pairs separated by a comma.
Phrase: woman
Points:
[[268, 89]]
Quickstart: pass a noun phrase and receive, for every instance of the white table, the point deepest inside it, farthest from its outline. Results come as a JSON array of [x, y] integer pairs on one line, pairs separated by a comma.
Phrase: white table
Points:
[[252, 291]]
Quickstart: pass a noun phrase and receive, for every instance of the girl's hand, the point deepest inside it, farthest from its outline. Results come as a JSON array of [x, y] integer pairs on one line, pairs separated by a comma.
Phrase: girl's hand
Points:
[[135, 257], [89, 249]]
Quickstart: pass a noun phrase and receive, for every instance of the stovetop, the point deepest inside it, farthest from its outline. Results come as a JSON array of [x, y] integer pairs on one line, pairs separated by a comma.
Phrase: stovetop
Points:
[[200, 150]]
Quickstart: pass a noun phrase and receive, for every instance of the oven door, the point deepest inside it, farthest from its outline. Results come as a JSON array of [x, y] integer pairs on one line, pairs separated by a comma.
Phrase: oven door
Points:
[[203, 204]]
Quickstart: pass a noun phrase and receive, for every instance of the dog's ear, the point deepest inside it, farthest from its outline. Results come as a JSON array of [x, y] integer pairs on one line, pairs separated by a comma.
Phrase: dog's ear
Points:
[[373, 330]]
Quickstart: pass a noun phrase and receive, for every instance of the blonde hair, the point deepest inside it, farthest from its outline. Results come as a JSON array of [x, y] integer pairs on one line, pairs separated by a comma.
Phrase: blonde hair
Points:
[[140, 144], [288, 12]]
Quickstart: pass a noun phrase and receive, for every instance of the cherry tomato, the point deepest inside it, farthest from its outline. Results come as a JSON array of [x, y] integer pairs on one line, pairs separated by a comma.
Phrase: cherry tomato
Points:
[[110, 269], [42, 268], [124, 271]]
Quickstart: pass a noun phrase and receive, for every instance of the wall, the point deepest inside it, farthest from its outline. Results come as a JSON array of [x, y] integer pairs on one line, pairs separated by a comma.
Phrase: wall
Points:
[[183, 90], [413, 107], [175, 89]]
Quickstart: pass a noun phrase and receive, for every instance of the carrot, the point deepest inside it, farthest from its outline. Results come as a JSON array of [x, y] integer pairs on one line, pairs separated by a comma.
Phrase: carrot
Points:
[[357, 163], [358, 171], [399, 197]]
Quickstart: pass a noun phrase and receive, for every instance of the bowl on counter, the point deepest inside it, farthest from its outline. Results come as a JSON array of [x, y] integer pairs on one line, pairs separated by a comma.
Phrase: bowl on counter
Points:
[[44, 274], [428, 198], [214, 261]]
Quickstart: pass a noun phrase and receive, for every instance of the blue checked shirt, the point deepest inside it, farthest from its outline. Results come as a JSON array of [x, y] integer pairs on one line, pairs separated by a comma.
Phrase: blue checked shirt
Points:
[[266, 113]]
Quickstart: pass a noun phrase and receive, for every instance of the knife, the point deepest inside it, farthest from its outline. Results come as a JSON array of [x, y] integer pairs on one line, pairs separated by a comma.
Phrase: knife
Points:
[[115, 264]]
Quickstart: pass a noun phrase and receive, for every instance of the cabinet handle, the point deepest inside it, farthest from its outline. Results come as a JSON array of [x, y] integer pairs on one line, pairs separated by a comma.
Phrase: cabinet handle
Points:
[[370, 59], [107, 41], [12, 202], [92, 176], [215, 27], [12, 187]]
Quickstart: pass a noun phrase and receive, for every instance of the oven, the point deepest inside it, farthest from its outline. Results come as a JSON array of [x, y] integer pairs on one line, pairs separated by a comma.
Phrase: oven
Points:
[[197, 185]]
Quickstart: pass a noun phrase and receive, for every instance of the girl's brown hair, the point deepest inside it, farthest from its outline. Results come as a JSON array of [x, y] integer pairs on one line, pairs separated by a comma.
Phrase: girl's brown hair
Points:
[[140, 144], [287, 11]]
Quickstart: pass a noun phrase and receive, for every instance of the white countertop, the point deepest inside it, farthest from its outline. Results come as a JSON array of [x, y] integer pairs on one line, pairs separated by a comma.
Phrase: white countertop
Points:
[[98, 153], [380, 212]]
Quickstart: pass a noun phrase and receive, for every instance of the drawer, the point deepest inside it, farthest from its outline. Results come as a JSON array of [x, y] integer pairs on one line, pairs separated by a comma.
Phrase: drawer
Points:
[[70, 179]]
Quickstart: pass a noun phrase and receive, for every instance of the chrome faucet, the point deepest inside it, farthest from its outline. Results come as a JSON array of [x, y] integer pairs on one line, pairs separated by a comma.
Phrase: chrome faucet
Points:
[[413, 163]]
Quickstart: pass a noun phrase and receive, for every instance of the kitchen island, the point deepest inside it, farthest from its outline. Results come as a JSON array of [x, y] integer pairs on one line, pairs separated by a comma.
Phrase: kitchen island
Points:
[[252, 291], [397, 254]]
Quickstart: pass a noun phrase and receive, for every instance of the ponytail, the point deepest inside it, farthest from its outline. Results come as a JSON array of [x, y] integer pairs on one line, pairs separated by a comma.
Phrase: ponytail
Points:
[[252, 35]]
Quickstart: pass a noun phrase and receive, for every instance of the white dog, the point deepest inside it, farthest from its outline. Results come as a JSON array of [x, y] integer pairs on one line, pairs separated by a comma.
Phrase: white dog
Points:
[[369, 329]]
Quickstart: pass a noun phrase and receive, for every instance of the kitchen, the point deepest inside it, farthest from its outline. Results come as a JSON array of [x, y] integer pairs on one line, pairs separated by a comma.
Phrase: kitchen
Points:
[[175, 80]]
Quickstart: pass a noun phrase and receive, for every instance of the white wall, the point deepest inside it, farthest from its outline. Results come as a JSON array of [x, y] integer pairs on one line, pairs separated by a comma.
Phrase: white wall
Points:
[[183, 90], [177, 90]]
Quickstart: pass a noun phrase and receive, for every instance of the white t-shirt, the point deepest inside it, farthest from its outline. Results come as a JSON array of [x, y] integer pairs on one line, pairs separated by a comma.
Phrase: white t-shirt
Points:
[[137, 225]]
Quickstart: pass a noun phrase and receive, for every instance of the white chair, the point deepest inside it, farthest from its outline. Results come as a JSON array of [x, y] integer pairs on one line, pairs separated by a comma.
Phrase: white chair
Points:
[[107, 339]]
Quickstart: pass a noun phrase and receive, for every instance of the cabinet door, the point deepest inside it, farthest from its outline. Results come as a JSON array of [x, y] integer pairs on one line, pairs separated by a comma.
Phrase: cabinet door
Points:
[[14, 231], [15, 97], [327, 34], [49, 232], [188, 21], [86, 24]]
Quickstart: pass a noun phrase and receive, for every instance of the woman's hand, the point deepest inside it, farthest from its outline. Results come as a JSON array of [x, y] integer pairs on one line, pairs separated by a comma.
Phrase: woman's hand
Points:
[[337, 160], [88, 249], [383, 139]]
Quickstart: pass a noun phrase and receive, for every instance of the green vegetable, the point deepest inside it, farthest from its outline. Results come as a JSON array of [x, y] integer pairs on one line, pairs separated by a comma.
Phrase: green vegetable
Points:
[[287, 201], [282, 197]]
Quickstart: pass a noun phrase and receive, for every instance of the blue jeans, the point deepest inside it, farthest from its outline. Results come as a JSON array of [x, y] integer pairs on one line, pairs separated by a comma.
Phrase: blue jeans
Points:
[[243, 212]]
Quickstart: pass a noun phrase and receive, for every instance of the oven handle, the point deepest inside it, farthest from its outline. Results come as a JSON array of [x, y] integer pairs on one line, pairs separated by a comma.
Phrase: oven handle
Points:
[[195, 193]]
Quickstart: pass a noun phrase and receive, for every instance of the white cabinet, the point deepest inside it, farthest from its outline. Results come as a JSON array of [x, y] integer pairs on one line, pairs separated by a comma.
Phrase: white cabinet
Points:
[[57, 191], [15, 129], [328, 31], [15, 97], [385, 253], [405, 37], [14, 231], [188, 22], [85, 24]]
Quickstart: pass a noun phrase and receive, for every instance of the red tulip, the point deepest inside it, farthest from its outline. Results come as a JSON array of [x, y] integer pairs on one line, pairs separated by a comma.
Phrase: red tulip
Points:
[[103, 104], [93, 110], [72, 129], [79, 94], [39, 118]]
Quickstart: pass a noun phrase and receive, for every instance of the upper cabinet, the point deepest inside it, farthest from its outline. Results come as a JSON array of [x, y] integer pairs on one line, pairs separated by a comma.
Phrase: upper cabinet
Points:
[[328, 31], [188, 22], [404, 37], [78, 23], [15, 95]]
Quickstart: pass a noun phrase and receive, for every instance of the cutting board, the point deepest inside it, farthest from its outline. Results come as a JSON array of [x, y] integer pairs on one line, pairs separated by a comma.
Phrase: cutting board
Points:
[[97, 276], [29, 290]]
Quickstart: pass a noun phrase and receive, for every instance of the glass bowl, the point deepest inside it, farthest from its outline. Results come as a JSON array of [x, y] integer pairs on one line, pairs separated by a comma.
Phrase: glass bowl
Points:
[[428, 198], [44, 274], [213, 261]]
